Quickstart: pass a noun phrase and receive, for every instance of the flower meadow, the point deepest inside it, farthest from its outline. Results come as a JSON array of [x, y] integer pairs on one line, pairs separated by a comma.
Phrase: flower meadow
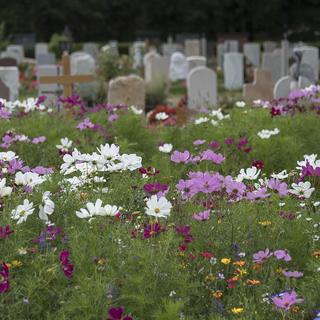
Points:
[[108, 214]]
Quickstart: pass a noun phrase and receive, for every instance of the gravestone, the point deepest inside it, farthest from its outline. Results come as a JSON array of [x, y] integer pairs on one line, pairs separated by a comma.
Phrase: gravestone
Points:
[[114, 46], [202, 88], [261, 88], [272, 61], [10, 77], [18, 49], [138, 49], [157, 70], [178, 67], [204, 47], [284, 57], [11, 54], [311, 57], [91, 48], [8, 62], [192, 47], [196, 61], [168, 49], [52, 89], [231, 46], [4, 91], [220, 52], [41, 48], [129, 90], [269, 46], [252, 53], [287, 84], [46, 59], [233, 70], [149, 56]]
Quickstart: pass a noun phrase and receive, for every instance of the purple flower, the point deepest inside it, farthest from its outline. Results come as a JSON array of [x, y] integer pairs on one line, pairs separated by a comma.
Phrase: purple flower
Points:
[[292, 274], [185, 187], [67, 267], [5, 231], [261, 256], [179, 157], [277, 185], [4, 277], [39, 140], [15, 165], [214, 144], [216, 158], [113, 117], [156, 188], [286, 300], [198, 142], [228, 141], [202, 216], [117, 314], [258, 194], [85, 124], [282, 255]]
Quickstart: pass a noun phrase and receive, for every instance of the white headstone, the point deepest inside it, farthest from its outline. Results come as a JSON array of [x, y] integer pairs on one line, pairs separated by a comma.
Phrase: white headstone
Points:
[[82, 63], [41, 48], [157, 70], [18, 49], [220, 52], [46, 58], [192, 47], [231, 45], [91, 48], [311, 57], [285, 47], [10, 77], [202, 88], [233, 70], [286, 85], [168, 49], [51, 89], [149, 56], [178, 67], [204, 47], [138, 51], [252, 53], [269, 46], [196, 61], [272, 61]]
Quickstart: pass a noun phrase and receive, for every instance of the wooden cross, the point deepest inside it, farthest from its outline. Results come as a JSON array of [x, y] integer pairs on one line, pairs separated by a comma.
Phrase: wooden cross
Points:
[[66, 80]]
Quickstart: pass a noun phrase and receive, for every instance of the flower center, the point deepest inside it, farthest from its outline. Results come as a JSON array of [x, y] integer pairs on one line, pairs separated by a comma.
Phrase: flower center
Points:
[[157, 210]]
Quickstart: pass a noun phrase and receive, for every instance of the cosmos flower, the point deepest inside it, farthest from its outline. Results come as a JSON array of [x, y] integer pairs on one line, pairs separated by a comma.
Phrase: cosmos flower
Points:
[[159, 208], [166, 148], [286, 300]]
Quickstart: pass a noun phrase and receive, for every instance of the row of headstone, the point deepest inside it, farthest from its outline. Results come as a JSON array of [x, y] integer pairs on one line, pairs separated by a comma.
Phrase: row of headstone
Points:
[[9, 78]]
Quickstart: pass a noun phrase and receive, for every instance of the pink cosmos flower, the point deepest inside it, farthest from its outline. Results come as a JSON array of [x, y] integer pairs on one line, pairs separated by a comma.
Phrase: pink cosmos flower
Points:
[[4, 277], [282, 255], [216, 158], [258, 194], [261, 256], [214, 144], [286, 300], [202, 216], [180, 157], [85, 124], [277, 185], [292, 274], [39, 140], [199, 142]]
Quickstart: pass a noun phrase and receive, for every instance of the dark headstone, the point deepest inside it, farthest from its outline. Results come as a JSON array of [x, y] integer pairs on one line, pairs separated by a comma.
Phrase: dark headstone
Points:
[[8, 62], [4, 91], [27, 40]]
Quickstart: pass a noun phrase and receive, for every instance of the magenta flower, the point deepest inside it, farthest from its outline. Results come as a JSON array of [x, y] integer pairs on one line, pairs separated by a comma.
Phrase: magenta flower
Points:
[[208, 183], [39, 140], [292, 274], [85, 124], [261, 256], [228, 141], [282, 255], [4, 277], [277, 185], [186, 188], [286, 300], [202, 216], [214, 144], [156, 188], [258, 194], [216, 158], [152, 230], [117, 314], [180, 157], [67, 267], [5, 231], [199, 142]]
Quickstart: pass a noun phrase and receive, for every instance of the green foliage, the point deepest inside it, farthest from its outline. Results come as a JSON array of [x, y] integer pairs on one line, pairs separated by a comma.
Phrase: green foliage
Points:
[[156, 93]]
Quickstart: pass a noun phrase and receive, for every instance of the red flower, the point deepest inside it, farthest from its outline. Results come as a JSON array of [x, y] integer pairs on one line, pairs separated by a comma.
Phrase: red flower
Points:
[[207, 255], [258, 164]]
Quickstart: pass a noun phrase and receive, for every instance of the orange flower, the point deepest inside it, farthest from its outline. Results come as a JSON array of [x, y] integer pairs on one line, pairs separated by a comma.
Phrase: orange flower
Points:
[[253, 282], [239, 263], [217, 294], [316, 254]]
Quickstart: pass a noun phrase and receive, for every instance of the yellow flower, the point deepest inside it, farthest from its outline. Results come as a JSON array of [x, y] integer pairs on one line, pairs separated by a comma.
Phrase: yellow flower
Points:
[[279, 270], [237, 310], [102, 261], [16, 263], [217, 294], [210, 277], [225, 260], [265, 223], [9, 265], [241, 272], [316, 254]]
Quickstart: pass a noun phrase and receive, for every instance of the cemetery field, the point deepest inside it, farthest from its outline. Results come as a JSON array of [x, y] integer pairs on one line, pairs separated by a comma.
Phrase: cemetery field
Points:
[[108, 214]]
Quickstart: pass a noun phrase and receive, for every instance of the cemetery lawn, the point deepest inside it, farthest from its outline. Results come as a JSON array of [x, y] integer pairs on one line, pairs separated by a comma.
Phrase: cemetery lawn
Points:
[[221, 252]]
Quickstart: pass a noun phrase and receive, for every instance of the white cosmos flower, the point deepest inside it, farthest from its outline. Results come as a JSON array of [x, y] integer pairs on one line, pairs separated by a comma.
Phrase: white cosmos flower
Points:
[[108, 151], [302, 189], [161, 116], [46, 208], [166, 148], [135, 110], [7, 156], [311, 159], [249, 174], [131, 161], [30, 179], [240, 104], [201, 120], [266, 134], [4, 191], [159, 208], [214, 123], [65, 144], [91, 210], [22, 211], [110, 210], [281, 175]]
